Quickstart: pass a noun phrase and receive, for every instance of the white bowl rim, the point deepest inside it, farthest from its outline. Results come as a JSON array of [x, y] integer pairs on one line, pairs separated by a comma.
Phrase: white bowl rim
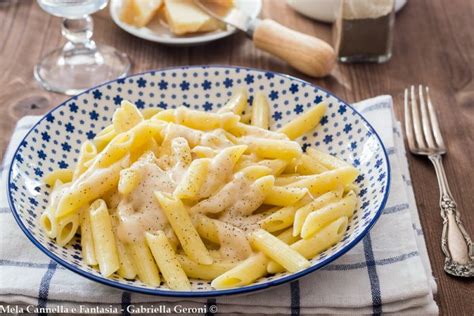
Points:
[[212, 293]]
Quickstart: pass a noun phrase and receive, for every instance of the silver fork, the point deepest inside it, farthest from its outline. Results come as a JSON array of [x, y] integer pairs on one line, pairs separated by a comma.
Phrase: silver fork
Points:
[[424, 138]]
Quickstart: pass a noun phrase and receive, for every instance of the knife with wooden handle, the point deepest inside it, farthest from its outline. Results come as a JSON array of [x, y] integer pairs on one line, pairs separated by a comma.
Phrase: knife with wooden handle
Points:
[[308, 54]]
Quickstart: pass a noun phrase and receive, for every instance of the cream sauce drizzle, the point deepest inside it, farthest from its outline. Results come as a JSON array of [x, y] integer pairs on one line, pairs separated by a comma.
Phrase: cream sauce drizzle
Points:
[[140, 211], [232, 197]]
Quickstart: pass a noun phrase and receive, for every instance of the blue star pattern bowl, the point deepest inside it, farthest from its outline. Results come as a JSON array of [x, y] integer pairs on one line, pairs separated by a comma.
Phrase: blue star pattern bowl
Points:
[[55, 141]]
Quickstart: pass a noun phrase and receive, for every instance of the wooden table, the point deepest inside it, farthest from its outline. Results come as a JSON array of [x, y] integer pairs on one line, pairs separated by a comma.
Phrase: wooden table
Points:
[[434, 45]]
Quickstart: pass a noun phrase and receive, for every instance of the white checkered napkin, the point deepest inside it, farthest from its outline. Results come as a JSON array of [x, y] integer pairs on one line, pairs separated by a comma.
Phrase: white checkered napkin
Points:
[[388, 271]]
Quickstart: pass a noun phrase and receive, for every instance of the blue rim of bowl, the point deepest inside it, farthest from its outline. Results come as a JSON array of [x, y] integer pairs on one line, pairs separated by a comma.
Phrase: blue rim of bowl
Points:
[[213, 293]]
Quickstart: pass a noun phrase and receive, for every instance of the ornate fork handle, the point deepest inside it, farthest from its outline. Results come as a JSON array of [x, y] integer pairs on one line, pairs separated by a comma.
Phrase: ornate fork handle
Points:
[[455, 243]]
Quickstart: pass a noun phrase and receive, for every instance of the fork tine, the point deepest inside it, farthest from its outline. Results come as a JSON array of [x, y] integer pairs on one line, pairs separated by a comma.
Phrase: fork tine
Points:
[[434, 121], [416, 120], [408, 123], [425, 120]]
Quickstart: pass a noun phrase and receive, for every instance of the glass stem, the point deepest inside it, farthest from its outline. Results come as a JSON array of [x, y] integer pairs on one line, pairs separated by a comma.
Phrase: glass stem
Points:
[[78, 32]]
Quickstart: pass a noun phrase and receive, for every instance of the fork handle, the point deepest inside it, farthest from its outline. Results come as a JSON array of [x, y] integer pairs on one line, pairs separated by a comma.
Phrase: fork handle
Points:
[[455, 242]]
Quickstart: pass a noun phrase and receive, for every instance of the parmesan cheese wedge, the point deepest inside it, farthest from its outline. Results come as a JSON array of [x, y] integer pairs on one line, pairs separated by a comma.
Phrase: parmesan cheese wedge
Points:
[[140, 12], [183, 17]]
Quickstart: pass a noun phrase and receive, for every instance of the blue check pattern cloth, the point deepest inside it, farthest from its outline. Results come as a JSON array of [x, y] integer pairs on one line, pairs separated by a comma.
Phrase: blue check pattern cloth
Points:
[[388, 272]]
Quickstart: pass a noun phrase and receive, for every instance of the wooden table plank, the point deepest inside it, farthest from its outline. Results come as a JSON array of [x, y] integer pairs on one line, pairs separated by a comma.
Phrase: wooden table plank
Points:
[[433, 45]]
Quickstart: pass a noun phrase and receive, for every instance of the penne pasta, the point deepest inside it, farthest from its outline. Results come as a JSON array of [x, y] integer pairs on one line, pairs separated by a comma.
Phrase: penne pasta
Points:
[[90, 186], [126, 117], [272, 148], [87, 240], [104, 240], [260, 112], [104, 137], [284, 196], [277, 250], [63, 175], [316, 220], [327, 181], [243, 273], [281, 219], [327, 160], [309, 248], [305, 165], [184, 229], [237, 103], [193, 179], [144, 263], [305, 122], [87, 153], [287, 236], [204, 272], [302, 213], [169, 265], [128, 181], [195, 194]]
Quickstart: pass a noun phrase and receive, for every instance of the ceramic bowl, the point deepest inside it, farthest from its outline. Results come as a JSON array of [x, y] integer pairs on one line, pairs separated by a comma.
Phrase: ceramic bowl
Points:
[[55, 140]]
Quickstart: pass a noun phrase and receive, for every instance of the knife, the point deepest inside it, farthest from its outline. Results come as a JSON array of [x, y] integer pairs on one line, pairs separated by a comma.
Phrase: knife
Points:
[[308, 54]]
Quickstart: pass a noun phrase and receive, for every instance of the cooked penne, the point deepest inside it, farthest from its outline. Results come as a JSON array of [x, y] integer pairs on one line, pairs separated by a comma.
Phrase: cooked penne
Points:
[[237, 103], [63, 175], [304, 123], [303, 212], [148, 113], [287, 236], [181, 152], [255, 171], [286, 179], [193, 194], [305, 165], [284, 196], [327, 160], [90, 186], [276, 165], [199, 120], [184, 229], [144, 263], [272, 148], [169, 265], [193, 179], [327, 181], [87, 153], [243, 273], [316, 220], [104, 240], [260, 111], [206, 228], [48, 219], [309, 248], [281, 219], [128, 181], [104, 137], [127, 268], [67, 227], [126, 117], [204, 271], [277, 250], [87, 240]]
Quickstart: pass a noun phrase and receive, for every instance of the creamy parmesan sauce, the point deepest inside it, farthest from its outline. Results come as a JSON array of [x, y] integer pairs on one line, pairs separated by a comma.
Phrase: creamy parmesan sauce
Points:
[[140, 211], [232, 198]]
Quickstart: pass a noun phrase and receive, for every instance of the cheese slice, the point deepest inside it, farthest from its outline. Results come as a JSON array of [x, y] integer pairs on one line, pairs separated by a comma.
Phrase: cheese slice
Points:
[[223, 3], [183, 17], [140, 12]]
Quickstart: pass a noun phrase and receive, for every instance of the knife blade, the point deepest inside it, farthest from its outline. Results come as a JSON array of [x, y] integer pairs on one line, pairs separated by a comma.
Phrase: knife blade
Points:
[[232, 16], [308, 54]]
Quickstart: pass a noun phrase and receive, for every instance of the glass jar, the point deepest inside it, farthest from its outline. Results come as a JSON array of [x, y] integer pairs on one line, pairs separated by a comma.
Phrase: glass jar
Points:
[[363, 30]]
